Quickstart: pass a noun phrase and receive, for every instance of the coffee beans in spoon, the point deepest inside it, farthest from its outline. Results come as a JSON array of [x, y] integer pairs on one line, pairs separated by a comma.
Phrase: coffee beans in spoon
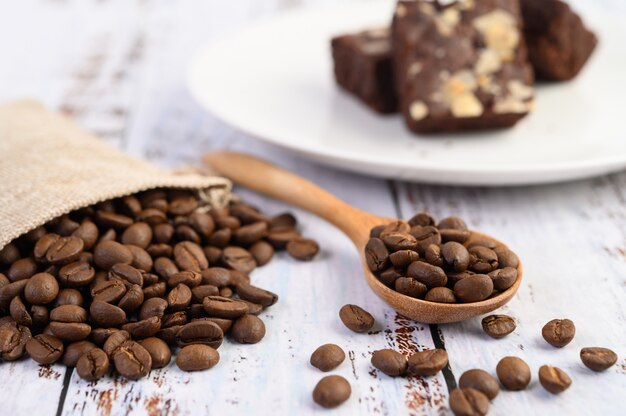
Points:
[[129, 282], [439, 262]]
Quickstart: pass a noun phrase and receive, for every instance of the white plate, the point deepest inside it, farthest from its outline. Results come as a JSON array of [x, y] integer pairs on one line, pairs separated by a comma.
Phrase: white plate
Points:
[[274, 81]]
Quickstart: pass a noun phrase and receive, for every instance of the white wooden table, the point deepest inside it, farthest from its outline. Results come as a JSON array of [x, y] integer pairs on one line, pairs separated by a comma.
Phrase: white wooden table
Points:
[[118, 69]]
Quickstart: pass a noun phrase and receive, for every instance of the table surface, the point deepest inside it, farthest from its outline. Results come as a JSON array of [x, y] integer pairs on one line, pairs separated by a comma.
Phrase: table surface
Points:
[[117, 68]]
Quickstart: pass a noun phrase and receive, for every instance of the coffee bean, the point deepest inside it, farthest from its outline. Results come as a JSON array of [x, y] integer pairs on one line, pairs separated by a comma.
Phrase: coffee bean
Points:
[[559, 332], [483, 259], [410, 287], [109, 253], [452, 222], [480, 380], [152, 216], [254, 308], [108, 235], [224, 324], [402, 258], [42, 246], [356, 318], [41, 289], [4, 280], [127, 274], [92, 365], [468, 402], [459, 236], [216, 276], [70, 331], [40, 316], [376, 255], [389, 277], [200, 292], [598, 358], [68, 313], [77, 274], [427, 363], [143, 329], [431, 276], [249, 234], [221, 238], [473, 288], [88, 232], [112, 220], [162, 233], [331, 391], [153, 307], [498, 326], [155, 290], [239, 259], [100, 335], [187, 278], [327, 357], [262, 251], [433, 255], [183, 206], [248, 329], [397, 226], [283, 220], [65, 250], [202, 223], [74, 351], [222, 307], [44, 349], [303, 249], [66, 226], [69, 297], [389, 362], [421, 218], [13, 339], [175, 318], [506, 258], [197, 357], [226, 292], [8, 292], [138, 234], [107, 315], [400, 241], [22, 269], [114, 341], [200, 332], [455, 255], [179, 298], [514, 373], [9, 254], [160, 250], [256, 295], [132, 360], [158, 350], [375, 231], [19, 312], [132, 299], [189, 256], [185, 232], [503, 278], [110, 291], [553, 379], [425, 236], [440, 295]]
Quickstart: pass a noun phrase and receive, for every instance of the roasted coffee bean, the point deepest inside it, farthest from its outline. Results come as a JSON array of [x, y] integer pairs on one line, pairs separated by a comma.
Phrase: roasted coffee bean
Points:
[[109, 253], [393, 227], [389, 277], [433, 255], [503, 278], [187, 278], [327, 357], [376, 255], [248, 329], [222, 307], [88, 232], [68, 313], [159, 351], [152, 216], [165, 267], [39, 315], [455, 256], [239, 259], [112, 220], [513, 373], [224, 324], [129, 205], [186, 233], [202, 223], [253, 308], [175, 318], [480, 380], [143, 329], [110, 291], [402, 258], [498, 326], [226, 292], [179, 298], [427, 363], [553, 379], [4, 280], [453, 278], [74, 351], [69, 297], [506, 258], [331, 391], [200, 332], [216, 276], [132, 300], [132, 360], [66, 226], [9, 254], [197, 357], [431, 276], [459, 236], [598, 358], [303, 249], [41, 289], [389, 362], [141, 258], [238, 278], [42, 246], [213, 254], [375, 231], [421, 218], [70, 331], [452, 222], [262, 251], [283, 220], [473, 288], [108, 235], [13, 339], [410, 287], [400, 241], [183, 206], [440, 295], [356, 318], [19, 312], [468, 402], [100, 335], [65, 250], [22, 269], [155, 290], [220, 238], [160, 250], [107, 315], [279, 237], [483, 259], [93, 365], [149, 278], [168, 335], [162, 233], [44, 349], [559, 332], [249, 234], [153, 307], [200, 292], [425, 236], [138, 234], [114, 341], [189, 256], [127, 274], [76, 274], [256, 295], [8, 292]]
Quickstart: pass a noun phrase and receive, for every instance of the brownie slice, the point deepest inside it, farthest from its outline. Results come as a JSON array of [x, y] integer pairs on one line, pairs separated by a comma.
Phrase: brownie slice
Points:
[[558, 42], [363, 67], [461, 66]]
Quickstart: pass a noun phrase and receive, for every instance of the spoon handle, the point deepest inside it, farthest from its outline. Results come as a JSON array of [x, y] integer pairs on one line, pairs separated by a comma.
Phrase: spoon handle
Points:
[[268, 179]]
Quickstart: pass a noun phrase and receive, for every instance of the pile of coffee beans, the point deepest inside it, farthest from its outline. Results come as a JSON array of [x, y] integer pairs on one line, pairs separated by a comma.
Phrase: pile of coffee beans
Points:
[[439, 262], [126, 282]]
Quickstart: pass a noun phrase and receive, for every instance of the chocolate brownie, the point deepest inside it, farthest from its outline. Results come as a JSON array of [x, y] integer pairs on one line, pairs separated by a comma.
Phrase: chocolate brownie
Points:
[[363, 67], [558, 42], [461, 66]]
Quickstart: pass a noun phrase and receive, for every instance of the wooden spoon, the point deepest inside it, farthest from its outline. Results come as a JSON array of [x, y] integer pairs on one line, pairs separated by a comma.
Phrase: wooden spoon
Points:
[[270, 180]]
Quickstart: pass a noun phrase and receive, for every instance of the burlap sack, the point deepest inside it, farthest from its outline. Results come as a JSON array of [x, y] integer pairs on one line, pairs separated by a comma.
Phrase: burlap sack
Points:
[[49, 167]]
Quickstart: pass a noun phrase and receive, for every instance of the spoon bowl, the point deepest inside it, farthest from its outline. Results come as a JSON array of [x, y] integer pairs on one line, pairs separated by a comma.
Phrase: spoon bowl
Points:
[[278, 183]]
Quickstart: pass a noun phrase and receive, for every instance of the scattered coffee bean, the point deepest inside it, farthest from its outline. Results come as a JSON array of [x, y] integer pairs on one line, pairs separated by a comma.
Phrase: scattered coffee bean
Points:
[[598, 358], [480, 380], [356, 318], [468, 402], [498, 326], [513, 373], [303, 249], [158, 350], [553, 379], [248, 329], [331, 391], [559, 332], [390, 362], [93, 365], [427, 363], [327, 357], [197, 357]]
